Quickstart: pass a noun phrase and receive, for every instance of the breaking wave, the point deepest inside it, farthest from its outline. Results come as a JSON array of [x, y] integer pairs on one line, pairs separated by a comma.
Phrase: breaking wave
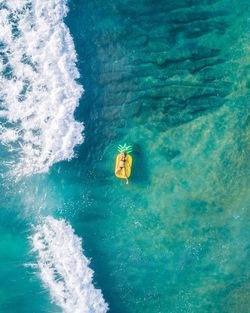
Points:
[[65, 270], [38, 88]]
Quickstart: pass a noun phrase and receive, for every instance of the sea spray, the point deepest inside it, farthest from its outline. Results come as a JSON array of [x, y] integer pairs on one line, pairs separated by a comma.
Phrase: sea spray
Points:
[[38, 88], [64, 269], [38, 97]]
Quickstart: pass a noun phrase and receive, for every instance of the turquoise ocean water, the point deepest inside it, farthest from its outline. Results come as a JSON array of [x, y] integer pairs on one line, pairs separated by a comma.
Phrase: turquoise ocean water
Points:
[[172, 79]]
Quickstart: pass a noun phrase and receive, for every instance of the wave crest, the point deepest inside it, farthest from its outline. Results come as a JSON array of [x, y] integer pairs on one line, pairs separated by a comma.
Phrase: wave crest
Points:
[[64, 269], [38, 88]]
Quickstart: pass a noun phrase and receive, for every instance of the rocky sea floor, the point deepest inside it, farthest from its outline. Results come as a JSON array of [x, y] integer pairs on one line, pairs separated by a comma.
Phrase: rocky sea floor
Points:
[[171, 79]]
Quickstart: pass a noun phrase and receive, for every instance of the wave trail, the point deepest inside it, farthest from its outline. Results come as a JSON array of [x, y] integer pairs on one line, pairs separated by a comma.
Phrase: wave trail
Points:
[[38, 88], [64, 269]]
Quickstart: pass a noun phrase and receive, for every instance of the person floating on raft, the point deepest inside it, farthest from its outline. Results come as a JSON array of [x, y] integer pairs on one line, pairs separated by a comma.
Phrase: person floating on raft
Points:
[[123, 162]]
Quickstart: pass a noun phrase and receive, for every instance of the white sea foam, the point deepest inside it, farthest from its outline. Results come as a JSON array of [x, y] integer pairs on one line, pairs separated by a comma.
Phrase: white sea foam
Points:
[[38, 88], [65, 270], [7, 135]]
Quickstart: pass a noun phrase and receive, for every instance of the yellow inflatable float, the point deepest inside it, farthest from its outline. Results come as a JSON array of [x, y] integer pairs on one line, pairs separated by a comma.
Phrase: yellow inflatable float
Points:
[[128, 162], [128, 166]]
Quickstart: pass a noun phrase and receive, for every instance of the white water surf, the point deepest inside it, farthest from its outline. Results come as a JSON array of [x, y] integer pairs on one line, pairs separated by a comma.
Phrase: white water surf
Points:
[[38, 97], [38, 88], [65, 270]]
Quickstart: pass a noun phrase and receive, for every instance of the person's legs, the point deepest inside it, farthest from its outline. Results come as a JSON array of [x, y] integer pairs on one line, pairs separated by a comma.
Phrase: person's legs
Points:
[[124, 174]]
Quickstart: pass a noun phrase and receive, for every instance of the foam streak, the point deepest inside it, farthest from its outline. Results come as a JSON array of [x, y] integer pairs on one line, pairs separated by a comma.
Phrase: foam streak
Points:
[[38, 88], [65, 270]]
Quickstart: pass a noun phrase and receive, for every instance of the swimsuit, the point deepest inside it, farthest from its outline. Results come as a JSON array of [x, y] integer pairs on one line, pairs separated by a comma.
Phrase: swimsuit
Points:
[[122, 162]]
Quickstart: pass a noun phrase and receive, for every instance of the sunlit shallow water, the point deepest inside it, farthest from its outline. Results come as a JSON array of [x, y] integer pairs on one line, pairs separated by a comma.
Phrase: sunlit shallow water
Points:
[[171, 79]]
